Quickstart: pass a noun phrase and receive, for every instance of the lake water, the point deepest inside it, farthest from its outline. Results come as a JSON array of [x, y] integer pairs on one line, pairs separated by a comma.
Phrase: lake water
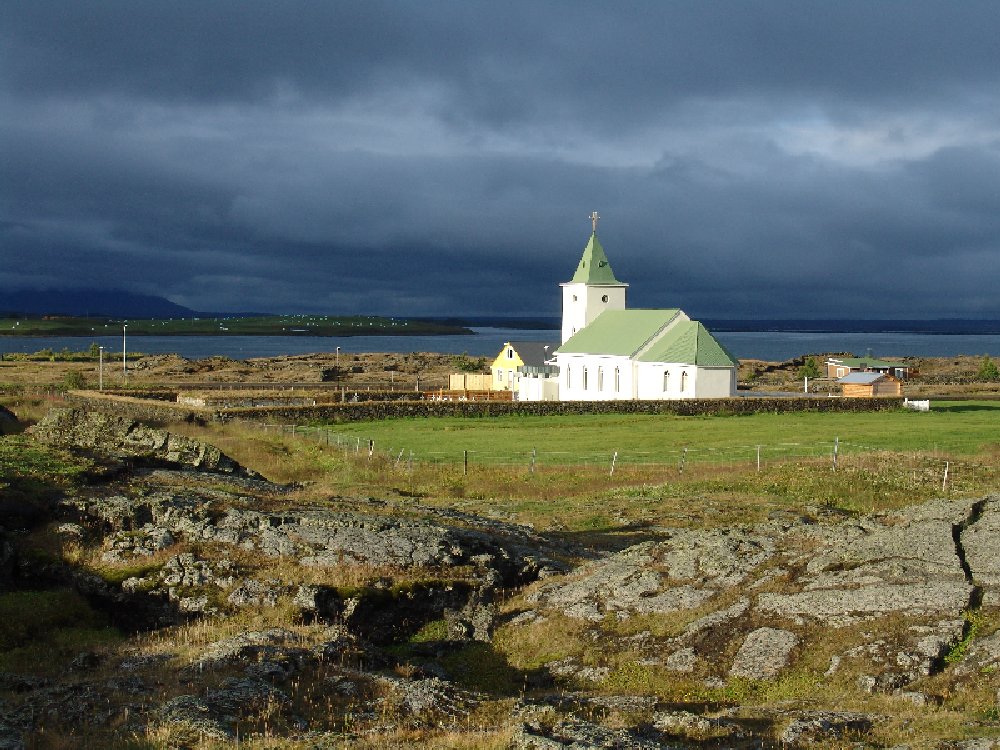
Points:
[[766, 345]]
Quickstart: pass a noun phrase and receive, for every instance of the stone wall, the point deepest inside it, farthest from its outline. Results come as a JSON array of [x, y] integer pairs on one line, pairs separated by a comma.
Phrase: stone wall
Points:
[[365, 411], [141, 409], [238, 402]]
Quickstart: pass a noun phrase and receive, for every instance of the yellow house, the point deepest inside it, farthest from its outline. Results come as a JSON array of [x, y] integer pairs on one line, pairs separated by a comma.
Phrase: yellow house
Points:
[[516, 354]]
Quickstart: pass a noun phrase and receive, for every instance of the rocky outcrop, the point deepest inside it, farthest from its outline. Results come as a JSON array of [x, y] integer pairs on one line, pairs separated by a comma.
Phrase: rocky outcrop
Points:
[[682, 573], [124, 438], [356, 615], [925, 567]]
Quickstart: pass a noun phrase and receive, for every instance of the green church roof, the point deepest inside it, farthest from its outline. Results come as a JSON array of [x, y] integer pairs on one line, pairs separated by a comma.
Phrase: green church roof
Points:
[[618, 333], [594, 267], [689, 342]]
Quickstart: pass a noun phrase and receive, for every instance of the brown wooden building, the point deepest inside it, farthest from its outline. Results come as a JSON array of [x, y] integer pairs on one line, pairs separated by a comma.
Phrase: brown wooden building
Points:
[[868, 384]]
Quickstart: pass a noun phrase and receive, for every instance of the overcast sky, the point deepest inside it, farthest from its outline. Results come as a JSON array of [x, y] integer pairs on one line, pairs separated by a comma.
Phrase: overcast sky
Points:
[[749, 159]]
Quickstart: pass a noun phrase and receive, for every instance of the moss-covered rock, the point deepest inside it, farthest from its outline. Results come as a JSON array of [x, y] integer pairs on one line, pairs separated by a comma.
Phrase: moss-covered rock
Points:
[[121, 437]]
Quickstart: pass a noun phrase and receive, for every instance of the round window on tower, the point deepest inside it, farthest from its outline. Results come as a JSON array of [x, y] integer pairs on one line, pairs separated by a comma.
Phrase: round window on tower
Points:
[[574, 298], [604, 298]]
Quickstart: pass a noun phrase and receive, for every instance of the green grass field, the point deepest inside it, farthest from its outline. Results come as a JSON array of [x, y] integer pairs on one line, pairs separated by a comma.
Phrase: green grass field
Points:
[[960, 428]]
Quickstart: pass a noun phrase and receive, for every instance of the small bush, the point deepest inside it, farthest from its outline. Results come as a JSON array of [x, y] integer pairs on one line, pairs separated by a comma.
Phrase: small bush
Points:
[[988, 371], [809, 369], [74, 381]]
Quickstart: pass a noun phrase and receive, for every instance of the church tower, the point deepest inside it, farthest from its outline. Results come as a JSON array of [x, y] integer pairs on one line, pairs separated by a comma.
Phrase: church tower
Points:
[[593, 288]]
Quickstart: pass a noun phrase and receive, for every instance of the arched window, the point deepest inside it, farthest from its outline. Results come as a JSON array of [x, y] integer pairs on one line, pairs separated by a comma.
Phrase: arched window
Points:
[[618, 380], [600, 378], [568, 380], [684, 381], [584, 378], [666, 380]]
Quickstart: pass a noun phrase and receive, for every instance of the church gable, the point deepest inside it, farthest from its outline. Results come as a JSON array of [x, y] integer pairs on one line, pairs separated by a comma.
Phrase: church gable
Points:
[[690, 343]]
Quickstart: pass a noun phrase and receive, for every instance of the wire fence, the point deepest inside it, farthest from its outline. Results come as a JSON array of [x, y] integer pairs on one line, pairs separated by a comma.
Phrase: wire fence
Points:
[[936, 465]]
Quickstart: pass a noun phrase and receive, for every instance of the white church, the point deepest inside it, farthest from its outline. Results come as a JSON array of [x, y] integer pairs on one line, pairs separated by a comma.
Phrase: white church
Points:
[[611, 353]]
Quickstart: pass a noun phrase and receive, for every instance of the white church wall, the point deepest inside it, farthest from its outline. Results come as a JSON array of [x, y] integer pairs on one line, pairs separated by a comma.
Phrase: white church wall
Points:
[[683, 381], [593, 377], [653, 386], [715, 382]]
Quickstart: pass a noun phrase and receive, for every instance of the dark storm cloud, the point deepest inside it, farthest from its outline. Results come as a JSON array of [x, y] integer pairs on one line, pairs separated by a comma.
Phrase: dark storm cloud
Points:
[[763, 159]]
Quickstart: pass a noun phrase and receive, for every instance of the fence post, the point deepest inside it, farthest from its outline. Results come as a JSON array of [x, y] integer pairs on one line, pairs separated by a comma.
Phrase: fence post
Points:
[[371, 448], [614, 458], [758, 459], [533, 454], [944, 481], [465, 455], [684, 453], [836, 450]]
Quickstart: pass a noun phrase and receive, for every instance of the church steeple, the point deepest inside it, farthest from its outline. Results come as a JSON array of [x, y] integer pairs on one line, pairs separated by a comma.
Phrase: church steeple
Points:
[[594, 267], [593, 288]]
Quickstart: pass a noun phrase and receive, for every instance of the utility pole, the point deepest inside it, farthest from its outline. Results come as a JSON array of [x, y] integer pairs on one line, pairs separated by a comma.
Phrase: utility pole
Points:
[[100, 368], [124, 368]]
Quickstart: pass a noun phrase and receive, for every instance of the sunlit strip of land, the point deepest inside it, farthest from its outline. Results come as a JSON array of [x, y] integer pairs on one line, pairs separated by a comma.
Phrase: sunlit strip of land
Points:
[[274, 325]]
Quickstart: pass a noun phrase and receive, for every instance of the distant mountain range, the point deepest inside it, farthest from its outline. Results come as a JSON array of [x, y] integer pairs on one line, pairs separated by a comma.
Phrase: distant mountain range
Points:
[[99, 303], [800, 325], [118, 304]]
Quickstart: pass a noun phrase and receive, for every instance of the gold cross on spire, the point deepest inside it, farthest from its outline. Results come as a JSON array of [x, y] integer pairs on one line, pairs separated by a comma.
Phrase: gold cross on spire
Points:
[[593, 219]]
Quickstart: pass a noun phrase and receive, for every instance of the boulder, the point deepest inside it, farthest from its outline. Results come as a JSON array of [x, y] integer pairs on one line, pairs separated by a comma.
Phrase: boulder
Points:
[[764, 653], [124, 438], [580, 735], [432, 701], [822, 726], [682, 573]]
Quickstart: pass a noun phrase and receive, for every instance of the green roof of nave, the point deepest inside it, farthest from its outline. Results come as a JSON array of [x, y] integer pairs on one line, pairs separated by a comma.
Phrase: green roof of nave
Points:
[[689, 342], [618, 333], [594, 267]]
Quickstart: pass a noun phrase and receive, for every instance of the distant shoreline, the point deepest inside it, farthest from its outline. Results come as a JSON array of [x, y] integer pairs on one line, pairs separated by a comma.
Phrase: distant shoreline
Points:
[[339, 326], [223, 334], [942, 327]]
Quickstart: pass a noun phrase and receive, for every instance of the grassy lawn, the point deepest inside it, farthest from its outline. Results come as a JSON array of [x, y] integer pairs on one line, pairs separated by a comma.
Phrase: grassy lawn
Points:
[[961, 428], [888, 460]]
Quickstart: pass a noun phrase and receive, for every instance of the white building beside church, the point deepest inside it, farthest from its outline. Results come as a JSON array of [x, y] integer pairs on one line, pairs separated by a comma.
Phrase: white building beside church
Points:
[[609, 352]]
